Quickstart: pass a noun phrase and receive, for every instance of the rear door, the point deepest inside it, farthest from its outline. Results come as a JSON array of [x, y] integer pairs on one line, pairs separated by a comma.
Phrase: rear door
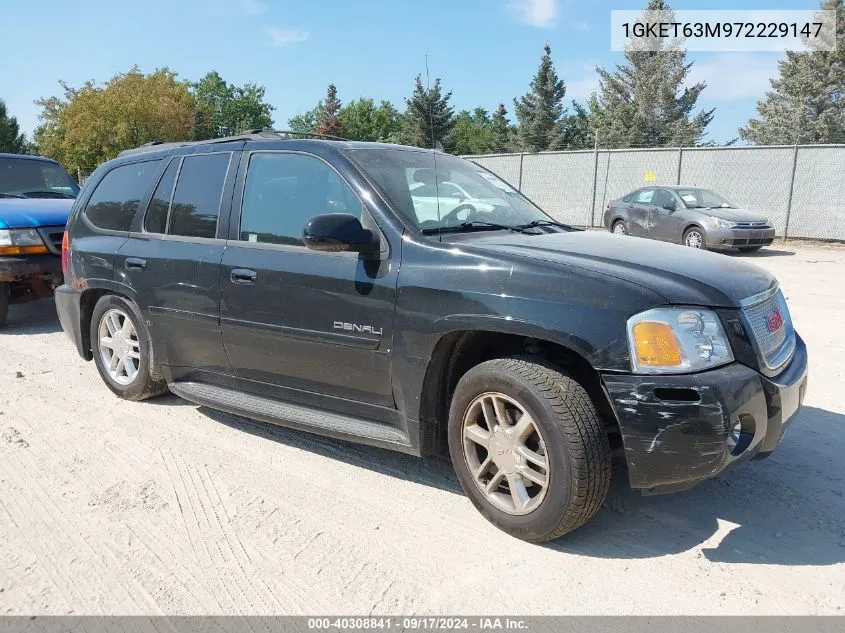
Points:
[[303, 321], [172, 259]]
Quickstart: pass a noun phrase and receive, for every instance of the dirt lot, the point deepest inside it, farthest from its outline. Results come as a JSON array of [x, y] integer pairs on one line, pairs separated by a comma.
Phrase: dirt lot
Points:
[[110, 507]]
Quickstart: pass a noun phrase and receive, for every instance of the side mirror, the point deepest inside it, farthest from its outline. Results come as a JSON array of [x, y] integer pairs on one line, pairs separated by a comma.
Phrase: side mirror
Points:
[[336, 232]]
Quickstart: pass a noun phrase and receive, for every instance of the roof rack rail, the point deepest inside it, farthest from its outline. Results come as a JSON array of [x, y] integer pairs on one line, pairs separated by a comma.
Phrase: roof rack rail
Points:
[[330, 137]]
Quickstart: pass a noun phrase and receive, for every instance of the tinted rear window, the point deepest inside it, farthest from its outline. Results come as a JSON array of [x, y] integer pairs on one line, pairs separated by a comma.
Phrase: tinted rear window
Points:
[[156, 221], [114, 202], [196, 201]]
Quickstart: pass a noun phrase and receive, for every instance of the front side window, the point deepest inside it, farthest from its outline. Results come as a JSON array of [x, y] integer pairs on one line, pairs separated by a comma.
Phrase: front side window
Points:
[[285, 190], [196, 200], [114, 202]]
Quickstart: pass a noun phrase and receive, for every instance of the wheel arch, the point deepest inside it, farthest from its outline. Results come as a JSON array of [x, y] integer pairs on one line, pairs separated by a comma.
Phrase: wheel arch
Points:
[[457, 352]]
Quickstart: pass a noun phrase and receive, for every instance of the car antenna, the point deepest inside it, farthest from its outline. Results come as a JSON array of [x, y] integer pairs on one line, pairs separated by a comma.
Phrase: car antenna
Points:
[[433, 145]]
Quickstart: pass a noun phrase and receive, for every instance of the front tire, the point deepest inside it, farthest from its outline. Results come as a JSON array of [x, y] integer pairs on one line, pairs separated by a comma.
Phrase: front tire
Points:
[[4, 302], [694, 238], [122, 349], [529, 447]]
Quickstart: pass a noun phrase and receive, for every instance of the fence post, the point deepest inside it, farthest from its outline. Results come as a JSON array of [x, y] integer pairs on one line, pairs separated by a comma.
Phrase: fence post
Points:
[[519, 185], [680, 160], [595, 179], [791, 189]]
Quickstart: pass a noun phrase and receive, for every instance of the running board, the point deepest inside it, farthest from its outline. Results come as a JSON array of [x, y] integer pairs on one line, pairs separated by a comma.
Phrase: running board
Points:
[[307, 419]]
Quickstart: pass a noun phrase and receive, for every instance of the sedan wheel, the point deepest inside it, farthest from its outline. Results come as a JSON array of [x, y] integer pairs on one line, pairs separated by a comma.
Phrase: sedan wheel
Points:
[[619, 229], [694, 239], [120, 350], [506, 453]]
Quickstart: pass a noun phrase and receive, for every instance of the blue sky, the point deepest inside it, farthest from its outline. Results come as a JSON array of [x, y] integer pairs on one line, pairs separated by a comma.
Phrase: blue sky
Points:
[[485, 50]]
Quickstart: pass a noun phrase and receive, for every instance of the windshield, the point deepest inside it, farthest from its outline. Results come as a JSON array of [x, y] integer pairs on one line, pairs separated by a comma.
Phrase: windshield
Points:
[[703, 199], [30, 178], [457, 194]]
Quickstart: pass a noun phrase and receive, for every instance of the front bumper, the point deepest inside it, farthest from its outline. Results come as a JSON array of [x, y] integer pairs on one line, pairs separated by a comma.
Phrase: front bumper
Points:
[[675, 429], [23, 267], [739, 237]]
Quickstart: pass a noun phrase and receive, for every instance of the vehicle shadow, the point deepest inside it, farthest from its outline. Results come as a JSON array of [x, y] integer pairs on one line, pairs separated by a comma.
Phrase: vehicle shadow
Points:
[[785, 510], [36, 317], [762, 253]]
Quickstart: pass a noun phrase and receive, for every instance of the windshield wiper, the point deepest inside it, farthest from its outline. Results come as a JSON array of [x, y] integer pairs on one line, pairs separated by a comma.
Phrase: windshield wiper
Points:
[[536, 223], [47, 192], [3, 194], [475, 224]]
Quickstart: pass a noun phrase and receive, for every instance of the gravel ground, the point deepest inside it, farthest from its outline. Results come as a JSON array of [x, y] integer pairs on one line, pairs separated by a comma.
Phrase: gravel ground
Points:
[[112, 507]]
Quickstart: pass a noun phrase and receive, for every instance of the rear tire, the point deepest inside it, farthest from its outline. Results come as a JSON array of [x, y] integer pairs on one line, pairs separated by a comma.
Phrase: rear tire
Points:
[[119, 334], [4, 302], [565, 431], [619, 228]]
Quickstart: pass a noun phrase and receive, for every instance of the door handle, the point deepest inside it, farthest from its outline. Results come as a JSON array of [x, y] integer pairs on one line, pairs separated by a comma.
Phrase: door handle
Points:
[[135, 263], [242, 276]]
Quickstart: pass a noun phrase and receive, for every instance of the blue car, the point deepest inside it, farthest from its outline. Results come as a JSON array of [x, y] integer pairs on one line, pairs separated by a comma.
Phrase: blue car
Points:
[[36, 195]]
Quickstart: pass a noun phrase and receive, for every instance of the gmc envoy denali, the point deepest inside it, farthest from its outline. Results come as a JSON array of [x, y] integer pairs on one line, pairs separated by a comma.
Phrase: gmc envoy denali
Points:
[[301, 282]]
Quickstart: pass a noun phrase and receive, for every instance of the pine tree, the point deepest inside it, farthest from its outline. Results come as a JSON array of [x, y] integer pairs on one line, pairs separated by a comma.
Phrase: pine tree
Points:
[[11, 138], [500, 130], [644, 102], [540, 110], [807, 101], [328, 121], [429, 117]]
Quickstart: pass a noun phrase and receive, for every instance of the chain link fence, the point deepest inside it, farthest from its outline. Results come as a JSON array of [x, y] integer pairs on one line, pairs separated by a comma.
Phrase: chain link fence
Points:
[[800, 188]]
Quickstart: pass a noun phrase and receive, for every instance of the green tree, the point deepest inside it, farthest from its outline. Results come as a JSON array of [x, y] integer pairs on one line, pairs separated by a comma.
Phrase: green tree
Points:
[[305, 122], [328, 121], [226, 109], [575, 130], [501, 132], [806, 103], [93, 123], [429, 117], [12, 140], [644, 102], [539, 112], [362, 120], [472, 133]]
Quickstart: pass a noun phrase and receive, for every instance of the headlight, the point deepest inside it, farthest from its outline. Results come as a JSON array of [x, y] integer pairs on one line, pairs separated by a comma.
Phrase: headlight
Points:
[[723, 224], [21, 242], [677, 340]]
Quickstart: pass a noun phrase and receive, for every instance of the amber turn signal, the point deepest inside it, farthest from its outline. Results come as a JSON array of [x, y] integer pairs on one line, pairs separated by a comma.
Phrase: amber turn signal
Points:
[[656, 345], [23, 250]]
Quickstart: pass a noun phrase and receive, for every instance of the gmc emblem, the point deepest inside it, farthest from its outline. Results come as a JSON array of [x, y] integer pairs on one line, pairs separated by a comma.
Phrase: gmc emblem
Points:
[[775, 321]]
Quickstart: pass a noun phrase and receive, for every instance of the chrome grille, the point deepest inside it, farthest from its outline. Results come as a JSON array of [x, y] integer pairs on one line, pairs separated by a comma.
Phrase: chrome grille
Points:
[[773, 335]]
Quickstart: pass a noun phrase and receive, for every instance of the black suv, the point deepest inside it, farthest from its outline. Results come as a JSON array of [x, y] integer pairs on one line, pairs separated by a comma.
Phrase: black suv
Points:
[[337, 288]]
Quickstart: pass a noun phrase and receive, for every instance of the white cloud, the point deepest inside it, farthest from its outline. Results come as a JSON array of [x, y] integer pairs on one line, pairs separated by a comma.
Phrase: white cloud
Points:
[[539, 13], [253, 7], [282, 37], [732, 76]]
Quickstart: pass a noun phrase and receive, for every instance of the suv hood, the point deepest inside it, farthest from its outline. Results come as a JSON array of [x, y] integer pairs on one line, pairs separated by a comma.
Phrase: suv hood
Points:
[[680, 274], [30, 213], [734, 215]]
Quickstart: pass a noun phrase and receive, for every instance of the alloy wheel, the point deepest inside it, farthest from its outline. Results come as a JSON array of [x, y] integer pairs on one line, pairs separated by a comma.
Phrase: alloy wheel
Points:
[[619, 229], [506, 453], [120, 349], [694, 239]]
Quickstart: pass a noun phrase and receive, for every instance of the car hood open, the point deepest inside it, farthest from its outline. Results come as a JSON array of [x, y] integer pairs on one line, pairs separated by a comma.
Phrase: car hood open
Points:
[[680, 274], [30, 213]]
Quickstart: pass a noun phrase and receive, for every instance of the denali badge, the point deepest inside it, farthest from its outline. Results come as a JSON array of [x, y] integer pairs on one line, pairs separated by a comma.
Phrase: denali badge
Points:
[[775, 321], [354, 327]]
